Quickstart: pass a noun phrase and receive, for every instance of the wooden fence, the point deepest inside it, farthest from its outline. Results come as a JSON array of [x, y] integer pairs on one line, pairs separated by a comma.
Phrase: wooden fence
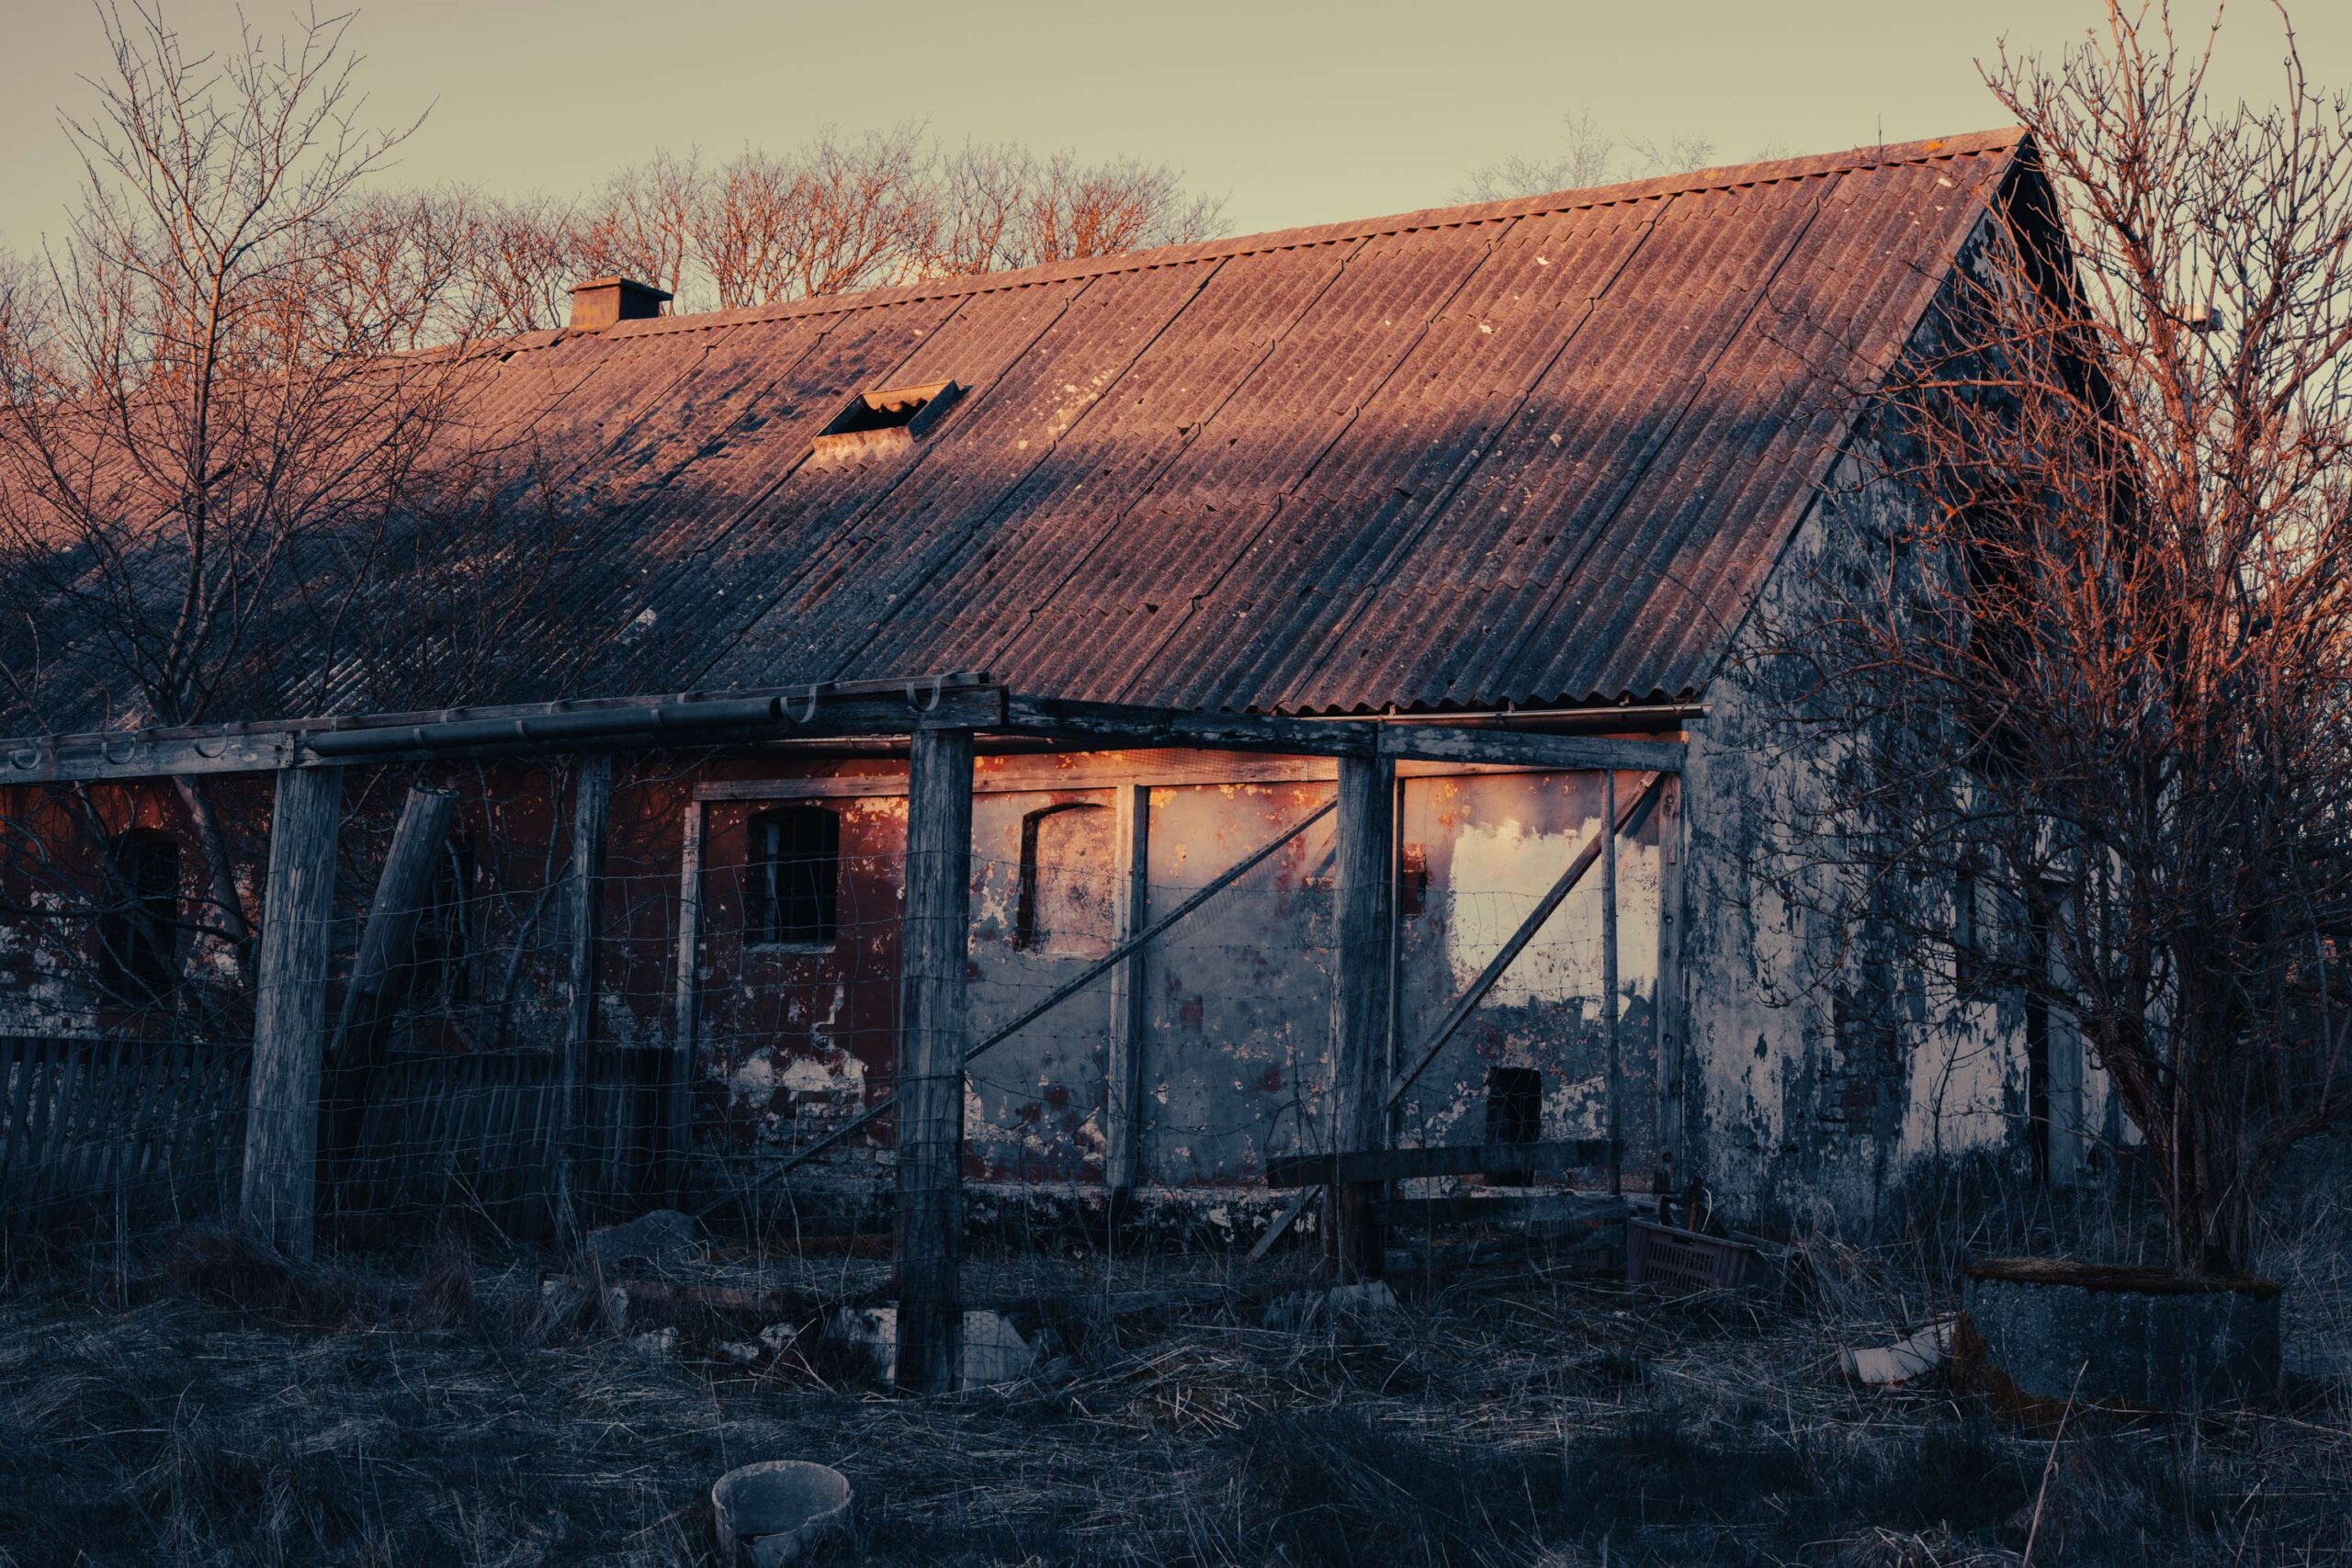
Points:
[[154, 1132], [151, 1127]]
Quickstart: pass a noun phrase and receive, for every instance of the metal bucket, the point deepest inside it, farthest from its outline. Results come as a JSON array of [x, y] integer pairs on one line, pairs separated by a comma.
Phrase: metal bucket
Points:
[[779, 1511]]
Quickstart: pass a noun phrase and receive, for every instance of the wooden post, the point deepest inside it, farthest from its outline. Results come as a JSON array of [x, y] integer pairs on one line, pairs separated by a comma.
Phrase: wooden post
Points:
[[1363, 909], [381, 970], [592, 788], [933, 950], [290, 1011], [686, 1016], [1668, 1011], [1609, 1007], [1130, 1012]]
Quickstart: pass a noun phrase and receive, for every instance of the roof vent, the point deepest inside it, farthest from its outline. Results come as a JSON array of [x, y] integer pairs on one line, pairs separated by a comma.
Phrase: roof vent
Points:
[[599, 302], [876, 423]]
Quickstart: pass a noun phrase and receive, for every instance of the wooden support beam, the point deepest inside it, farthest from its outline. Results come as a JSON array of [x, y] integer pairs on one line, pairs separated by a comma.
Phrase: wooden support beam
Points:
[[382, 969], [1122, 1163], [1612, 1004], [686, 1018], [933, 952], [1626, 821], [592, 794], [826, 709], [1669, 1012], [1463, 1159], [1363, 876], [1118, 725], [1568, 753], [280, 1180]]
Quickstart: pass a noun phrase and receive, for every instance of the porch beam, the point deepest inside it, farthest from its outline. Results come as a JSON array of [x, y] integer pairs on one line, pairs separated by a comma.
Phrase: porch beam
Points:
[[933, 950], [278, 1187], [1363, 875]]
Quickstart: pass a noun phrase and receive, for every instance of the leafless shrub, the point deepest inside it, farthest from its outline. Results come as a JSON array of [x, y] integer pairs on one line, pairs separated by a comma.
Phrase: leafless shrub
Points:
[[2079, 691]]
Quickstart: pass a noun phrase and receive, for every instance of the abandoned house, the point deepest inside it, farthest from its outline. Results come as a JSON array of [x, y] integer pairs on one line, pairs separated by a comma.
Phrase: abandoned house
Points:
[[1454, 517]]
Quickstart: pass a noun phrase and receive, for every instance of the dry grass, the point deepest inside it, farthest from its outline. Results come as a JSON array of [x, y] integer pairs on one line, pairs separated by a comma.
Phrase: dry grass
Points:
[[199, 1405]]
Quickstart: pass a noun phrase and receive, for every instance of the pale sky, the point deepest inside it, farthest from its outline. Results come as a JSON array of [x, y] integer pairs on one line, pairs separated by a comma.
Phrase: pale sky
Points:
[[1294, 113]]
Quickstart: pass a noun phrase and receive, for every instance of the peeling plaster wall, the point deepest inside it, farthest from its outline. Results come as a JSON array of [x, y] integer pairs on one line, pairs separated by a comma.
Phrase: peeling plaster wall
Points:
[[1479, 853], [1801, 1105]]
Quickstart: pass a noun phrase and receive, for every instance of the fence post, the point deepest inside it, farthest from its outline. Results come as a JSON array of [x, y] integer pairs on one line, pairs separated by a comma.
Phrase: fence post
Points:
[[280, 1176], [933, 950], [381, 970], [678, 1100], [1124, 1066], [592, 790], [1364, 872]]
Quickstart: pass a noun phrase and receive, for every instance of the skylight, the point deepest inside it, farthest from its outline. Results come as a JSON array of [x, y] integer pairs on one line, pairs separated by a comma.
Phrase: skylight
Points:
[[877, 423]]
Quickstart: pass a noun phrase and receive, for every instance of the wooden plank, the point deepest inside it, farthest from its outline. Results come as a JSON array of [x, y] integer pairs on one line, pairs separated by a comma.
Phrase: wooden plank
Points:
[[277, 1193], [1613, 1005], [866, 707], [591, 792], [1363, 878], [1158, 767], [1544, 908], [15, 1103], [1461, 1159], [685, 1015], [932, 1028], [1117, 725], [1307, 1193], [1567, 754], [1122, 1074], [1669, 1010], [382, 969]]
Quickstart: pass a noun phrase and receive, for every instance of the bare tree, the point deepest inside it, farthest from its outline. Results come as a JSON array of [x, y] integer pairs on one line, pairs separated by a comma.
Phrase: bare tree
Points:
[[197, 411], [1589, 155], [640, 224], [2079, 693], [1003, 206]]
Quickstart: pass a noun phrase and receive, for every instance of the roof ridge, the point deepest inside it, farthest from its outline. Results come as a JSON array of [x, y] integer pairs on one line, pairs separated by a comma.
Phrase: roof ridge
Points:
[[1720, 177]]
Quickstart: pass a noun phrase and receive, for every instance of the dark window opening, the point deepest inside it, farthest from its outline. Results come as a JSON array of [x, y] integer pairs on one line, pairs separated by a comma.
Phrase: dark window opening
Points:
[[1514, 1115], [911, 409], [445, 929], [795, 872], [1412, 880], [1030, 929], [139, 929]]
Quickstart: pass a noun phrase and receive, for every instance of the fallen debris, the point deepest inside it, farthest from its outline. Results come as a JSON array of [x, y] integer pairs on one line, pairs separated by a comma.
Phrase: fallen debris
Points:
[[993, 1351], [1905, 1361], [1302, 1310]]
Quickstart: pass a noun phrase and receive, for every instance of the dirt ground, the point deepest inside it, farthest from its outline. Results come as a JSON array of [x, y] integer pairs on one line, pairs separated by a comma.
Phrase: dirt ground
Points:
[[184, 1402]]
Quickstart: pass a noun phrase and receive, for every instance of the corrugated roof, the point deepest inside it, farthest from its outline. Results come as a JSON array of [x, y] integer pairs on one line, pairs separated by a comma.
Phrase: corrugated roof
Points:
[[1536, 452]]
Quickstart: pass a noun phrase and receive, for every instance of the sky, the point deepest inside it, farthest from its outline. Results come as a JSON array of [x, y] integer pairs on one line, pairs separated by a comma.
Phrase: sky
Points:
[[1292, 113]]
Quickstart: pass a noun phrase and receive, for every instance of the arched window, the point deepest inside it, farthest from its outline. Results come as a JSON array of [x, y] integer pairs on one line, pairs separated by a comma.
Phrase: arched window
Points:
[[791, 883], [138, 928], [1063, 904]]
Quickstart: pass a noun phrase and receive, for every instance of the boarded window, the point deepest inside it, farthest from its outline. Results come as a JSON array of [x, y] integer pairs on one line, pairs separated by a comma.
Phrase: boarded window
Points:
[[137, 930], [1064, 902], [792, 882]]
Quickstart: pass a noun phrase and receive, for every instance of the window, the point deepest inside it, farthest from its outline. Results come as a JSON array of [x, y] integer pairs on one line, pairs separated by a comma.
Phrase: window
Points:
[[445, 929], [790, 894], [1064, 900], [876, 422], [1514, 1115], [139, 927]]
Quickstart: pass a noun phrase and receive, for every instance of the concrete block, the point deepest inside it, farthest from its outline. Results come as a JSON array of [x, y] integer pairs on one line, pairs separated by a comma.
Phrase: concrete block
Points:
[[2141, 1338]]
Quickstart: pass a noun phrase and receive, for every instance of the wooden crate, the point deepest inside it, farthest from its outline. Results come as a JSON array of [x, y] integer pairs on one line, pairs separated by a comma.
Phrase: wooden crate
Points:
[[1689, 1261]]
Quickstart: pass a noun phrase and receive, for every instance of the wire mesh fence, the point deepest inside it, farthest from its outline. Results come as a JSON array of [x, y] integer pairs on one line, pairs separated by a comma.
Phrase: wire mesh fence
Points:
[[748, 1008]]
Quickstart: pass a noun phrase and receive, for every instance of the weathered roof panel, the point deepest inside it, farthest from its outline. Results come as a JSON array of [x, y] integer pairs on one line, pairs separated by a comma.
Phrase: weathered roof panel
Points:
[[1532, 452]]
